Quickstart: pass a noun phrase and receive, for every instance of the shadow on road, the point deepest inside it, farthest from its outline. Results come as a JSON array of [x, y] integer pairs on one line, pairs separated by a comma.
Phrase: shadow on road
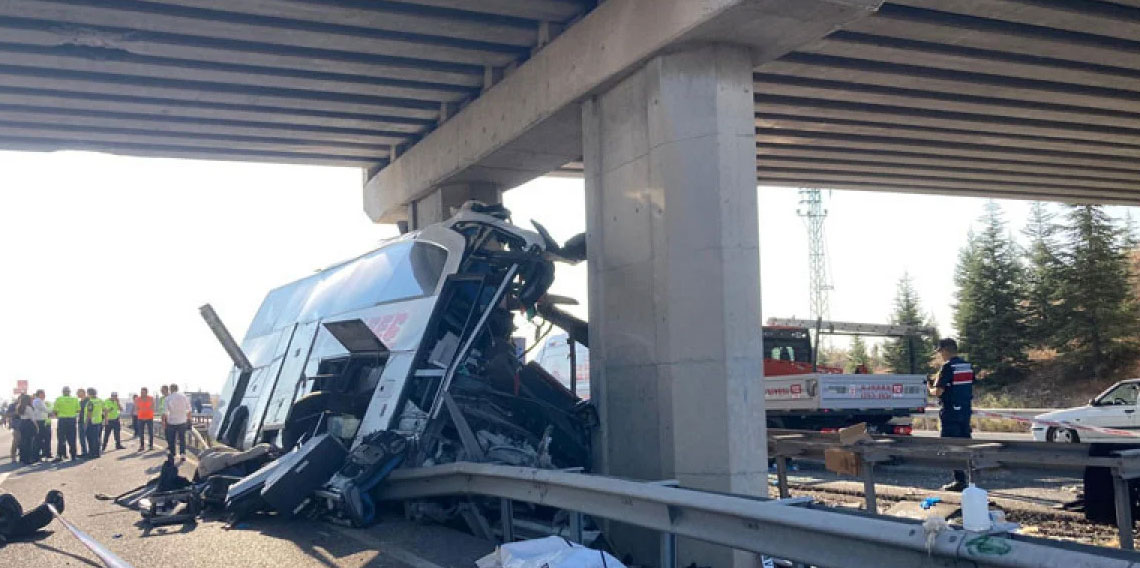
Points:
[[77, 557]]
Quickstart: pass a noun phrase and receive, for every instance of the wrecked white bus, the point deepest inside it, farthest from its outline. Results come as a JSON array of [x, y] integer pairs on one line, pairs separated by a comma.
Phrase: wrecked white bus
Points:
[[412, 338]]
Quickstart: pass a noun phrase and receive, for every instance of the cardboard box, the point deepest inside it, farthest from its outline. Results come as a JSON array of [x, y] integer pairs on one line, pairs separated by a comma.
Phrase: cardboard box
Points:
[[854, 434], [841, 461]]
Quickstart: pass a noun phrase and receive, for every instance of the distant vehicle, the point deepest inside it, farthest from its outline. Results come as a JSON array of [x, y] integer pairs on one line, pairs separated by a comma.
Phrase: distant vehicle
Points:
[[796, 396], [1114, 408]]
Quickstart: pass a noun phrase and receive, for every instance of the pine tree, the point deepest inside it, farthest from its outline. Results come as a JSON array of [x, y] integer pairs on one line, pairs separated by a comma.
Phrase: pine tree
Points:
[[857, 355], [988, 315], [900, 354], [1098, 323], [1041, 276]]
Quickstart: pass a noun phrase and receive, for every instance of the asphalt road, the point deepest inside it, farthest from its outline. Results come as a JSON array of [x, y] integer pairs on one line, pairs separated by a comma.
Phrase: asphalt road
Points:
[[261, 542]]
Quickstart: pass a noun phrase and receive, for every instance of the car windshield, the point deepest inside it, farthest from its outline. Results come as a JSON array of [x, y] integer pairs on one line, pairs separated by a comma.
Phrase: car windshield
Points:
[[1123, 394]]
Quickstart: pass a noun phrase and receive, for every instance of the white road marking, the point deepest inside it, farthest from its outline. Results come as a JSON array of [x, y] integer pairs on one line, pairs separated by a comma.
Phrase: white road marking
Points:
[[3, 477]]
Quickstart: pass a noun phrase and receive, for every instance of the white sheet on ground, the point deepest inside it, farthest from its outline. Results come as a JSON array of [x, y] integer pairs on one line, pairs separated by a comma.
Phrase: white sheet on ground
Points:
[[549, 552]]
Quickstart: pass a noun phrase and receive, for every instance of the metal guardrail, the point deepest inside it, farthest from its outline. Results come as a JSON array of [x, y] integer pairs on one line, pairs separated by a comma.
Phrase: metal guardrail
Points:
[[1026, 413], [972, 455], [795, 531]]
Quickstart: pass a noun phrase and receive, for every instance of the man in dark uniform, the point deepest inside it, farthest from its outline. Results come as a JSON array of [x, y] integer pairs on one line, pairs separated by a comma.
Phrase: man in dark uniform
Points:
[[954, 388]]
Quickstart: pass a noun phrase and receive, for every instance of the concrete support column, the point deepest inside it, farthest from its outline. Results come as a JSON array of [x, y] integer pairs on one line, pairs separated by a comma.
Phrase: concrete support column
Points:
[[437, 205], [672, 227]]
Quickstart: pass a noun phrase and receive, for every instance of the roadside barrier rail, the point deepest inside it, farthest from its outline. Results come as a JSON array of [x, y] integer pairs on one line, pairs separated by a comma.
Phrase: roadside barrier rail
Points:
[[966, 454], [794, 530]]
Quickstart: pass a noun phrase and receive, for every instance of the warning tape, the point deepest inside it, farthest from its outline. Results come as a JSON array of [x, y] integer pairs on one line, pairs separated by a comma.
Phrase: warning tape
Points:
[[1058, 423]]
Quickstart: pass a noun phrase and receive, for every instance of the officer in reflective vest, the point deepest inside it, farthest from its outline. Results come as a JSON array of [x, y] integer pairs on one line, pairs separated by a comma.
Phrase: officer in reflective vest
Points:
[[144, 408], [95, 419], [955, 391], [67, 410], [113, 409]]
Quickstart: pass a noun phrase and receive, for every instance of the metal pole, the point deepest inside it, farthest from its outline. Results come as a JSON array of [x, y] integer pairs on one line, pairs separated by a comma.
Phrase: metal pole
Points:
[[576, 527], [869, 486], [668, 550], [109, 559], [507, 519], [782, 476], [1123, 509], [573, 364]]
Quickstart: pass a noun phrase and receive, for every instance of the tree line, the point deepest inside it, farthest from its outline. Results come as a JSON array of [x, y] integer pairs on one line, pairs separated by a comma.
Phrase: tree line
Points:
[[1069, 291]]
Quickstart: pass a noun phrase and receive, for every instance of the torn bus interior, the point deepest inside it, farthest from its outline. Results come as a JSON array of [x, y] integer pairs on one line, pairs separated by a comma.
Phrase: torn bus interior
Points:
[[400, 358]]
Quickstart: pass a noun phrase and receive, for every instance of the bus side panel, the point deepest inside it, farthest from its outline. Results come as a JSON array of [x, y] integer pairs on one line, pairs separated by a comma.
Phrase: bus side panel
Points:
[[259, 391]]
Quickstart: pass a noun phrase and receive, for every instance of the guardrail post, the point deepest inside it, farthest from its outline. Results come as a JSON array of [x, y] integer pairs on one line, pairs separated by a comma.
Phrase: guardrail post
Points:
[[576, 527], [869, 486], [507, 519], [782, 476], [1123, 509], [668, 550]]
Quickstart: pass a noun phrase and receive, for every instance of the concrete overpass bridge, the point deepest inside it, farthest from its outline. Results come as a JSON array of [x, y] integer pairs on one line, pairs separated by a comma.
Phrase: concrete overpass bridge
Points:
[[672, 110]]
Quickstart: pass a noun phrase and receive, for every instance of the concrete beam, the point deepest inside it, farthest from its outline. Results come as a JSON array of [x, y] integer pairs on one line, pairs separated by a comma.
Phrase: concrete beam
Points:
[[175, 151], [962, 190], [120, 66], [955, 58], [181, 110], [886, 130], [857, 71], [1095, 18], [971, 149], [975, 173], [380, 16], [270, 32], [544, 10], [442, 203], [205, 50], [220, 129], [363, 152], [1054, 169], [592, 54], [940, 27], [790, 106], [920, 184], [915, 97], [282, 101]]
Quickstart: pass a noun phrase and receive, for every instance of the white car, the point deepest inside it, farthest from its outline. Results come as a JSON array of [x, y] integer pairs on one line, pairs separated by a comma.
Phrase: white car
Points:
[[1114, 408]]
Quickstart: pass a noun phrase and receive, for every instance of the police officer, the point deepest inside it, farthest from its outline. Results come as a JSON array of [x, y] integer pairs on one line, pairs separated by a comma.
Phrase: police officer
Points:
[[113, 410], [954, 388], [67, 410], [95, 420], [81, 424]]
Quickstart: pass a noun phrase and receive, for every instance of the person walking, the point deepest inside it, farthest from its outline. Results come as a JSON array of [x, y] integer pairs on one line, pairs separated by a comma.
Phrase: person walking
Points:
[[130, 411], [14, 424], [144, 408], [66, 410], [176, 419], [954, 388], [43, 424], [163, 392], [113, 408], [81, 422], [27, 426], [96, 418]]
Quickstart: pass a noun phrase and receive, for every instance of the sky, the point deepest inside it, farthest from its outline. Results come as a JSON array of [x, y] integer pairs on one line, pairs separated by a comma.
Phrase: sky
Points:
[[104, 260]]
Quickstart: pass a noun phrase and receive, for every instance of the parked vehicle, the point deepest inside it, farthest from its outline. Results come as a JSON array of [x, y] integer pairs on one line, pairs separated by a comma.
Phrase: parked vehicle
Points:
[[1114, 408], [795, 396]]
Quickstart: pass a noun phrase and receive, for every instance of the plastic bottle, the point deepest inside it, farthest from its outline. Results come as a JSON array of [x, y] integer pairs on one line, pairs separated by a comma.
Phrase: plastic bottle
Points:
[[975, 509]]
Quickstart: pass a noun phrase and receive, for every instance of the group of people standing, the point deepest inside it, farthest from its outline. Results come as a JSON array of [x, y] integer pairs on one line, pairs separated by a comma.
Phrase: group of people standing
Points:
[[93, 422]]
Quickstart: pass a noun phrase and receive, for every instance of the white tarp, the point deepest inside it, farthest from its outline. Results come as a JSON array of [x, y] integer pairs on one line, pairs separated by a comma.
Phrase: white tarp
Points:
[[549, 552]]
